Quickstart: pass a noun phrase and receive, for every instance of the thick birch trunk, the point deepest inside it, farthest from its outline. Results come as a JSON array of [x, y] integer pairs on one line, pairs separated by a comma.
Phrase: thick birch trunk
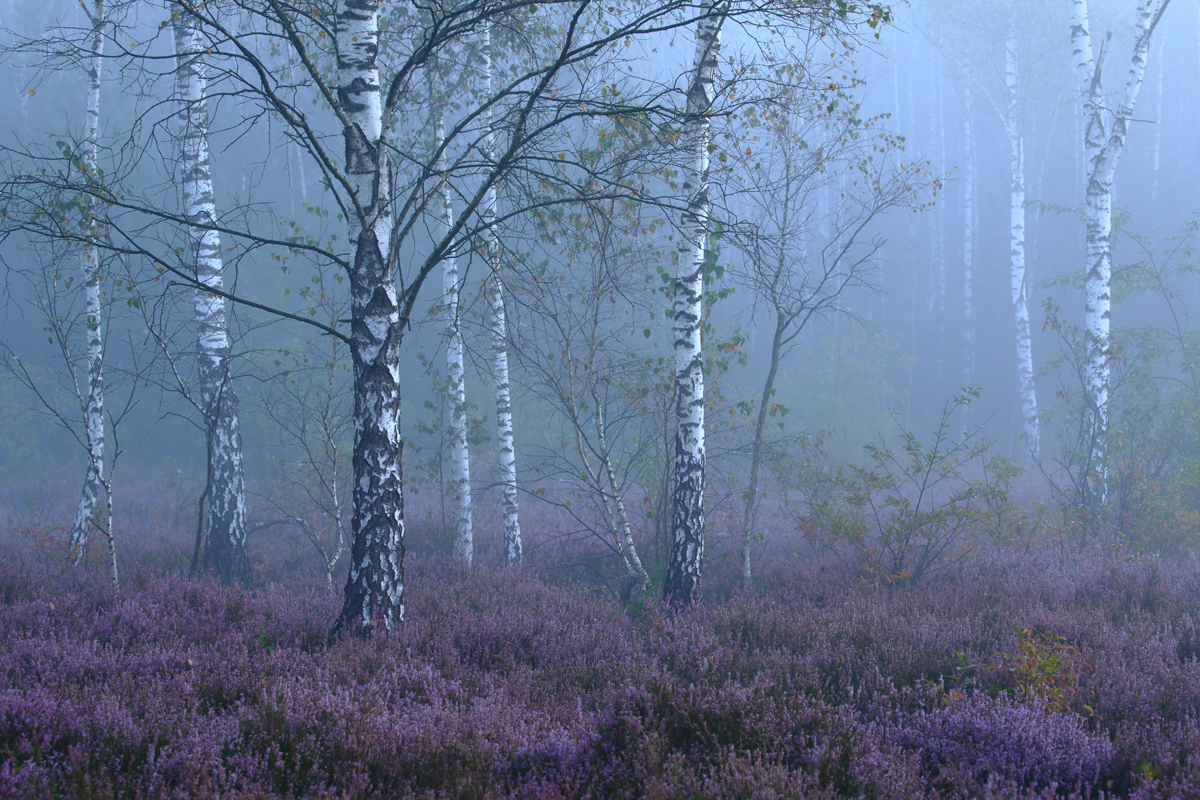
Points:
[[225, 524], [1016, 149], [460, 456], [687, 523], [93, 409], [374, 594], [499, 329], [1103, 140], [968, 245]]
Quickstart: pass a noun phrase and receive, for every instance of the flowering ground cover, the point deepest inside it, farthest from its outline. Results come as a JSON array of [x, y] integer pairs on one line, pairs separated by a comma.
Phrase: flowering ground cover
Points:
[[1032, 676]]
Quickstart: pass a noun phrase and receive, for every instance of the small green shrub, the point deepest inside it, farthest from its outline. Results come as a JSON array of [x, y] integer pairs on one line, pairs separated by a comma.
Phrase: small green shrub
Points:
[[914, 510]]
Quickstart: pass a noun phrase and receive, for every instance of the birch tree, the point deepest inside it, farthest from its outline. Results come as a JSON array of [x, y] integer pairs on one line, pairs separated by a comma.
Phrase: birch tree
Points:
[[94, 481], [568, 359], [443, 210], [1105, 129], [374, 590], [1016, 239], [498, 324], [225, 504], [687, 525]]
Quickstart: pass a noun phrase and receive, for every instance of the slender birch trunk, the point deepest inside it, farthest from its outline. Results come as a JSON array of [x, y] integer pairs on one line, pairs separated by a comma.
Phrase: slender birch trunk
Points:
[[225, 524], [615, 516], [687, 524], [1016, 149], [633, 560], [1104, 135], [968, 243], [460, 456], [374, 594], [93, 410], [499, 328]]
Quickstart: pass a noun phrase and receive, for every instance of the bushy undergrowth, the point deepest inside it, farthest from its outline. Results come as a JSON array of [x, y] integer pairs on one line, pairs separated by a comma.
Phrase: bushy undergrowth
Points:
[[500, 685]]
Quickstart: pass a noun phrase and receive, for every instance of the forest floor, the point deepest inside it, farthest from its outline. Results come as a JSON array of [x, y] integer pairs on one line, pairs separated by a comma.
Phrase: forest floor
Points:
[[1015, 675]]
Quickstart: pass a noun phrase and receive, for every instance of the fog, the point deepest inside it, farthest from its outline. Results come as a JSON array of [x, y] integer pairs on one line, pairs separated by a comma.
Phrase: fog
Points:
[[890, 230]]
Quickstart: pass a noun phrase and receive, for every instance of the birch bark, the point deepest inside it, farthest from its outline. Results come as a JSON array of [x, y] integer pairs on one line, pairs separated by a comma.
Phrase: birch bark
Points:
[[225, 522], [460, 456], [1104, 135], [93, 482], [1016, 149], [499, 329], [374, 594], [687, 539]]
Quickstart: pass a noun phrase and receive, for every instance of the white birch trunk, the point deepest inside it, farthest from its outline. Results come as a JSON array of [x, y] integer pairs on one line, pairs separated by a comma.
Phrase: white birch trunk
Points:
[[1016, 148], [1103, 140], [968, 244], [225, 523], [687, 524], [374, 594], [460, 456], [499, 328], [93, 407]]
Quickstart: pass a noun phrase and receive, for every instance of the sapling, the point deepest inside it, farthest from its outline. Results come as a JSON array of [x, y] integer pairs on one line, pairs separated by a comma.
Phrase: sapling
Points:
[[914, 510]]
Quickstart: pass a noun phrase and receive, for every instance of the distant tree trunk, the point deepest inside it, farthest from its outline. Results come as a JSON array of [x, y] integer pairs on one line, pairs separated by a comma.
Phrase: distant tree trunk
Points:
[[1016, 148], [374, 594], [937, 297], [499, 328], [93, 482], [1104, 135], [460, 455], [225, 526], [1158, 131], [687, 541], [301, 180], [968, 243]]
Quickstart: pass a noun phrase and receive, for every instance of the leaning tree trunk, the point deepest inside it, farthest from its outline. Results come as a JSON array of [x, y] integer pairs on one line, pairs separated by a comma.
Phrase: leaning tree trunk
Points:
[[374, 594], [460, 456], [1016, 149], [687, 522], [93, 482], [225, 522], [750, 500], [1104, 139], [499, 325]]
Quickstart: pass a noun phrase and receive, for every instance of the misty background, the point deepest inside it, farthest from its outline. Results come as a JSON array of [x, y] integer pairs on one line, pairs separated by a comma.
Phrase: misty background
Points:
[[905, 336]]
